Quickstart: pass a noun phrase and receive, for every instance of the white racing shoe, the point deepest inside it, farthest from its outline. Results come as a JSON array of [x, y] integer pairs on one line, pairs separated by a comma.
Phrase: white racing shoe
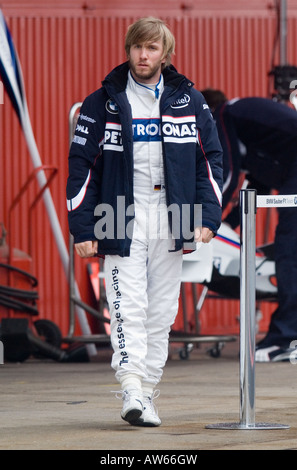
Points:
[[149, 417], [132, 404]]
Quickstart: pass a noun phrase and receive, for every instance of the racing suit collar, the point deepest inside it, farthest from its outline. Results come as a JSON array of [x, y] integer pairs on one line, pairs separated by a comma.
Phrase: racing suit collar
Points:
[[141, 88]]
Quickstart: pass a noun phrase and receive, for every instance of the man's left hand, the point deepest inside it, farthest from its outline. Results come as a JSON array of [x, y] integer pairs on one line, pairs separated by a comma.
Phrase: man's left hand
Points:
[[203, 234]]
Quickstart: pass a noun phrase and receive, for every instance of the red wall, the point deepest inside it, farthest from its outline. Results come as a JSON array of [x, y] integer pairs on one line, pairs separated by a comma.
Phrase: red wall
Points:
[[65, 49]]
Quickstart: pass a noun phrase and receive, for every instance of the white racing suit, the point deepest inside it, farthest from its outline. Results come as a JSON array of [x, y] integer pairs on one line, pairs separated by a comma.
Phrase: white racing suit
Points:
[[143, 288]]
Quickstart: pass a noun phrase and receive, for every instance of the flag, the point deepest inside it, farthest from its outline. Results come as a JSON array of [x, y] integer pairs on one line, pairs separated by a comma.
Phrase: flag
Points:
[[10, 70]]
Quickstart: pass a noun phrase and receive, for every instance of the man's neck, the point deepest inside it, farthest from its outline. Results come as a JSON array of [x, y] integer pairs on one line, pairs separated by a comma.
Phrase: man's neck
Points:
[[149, 81]]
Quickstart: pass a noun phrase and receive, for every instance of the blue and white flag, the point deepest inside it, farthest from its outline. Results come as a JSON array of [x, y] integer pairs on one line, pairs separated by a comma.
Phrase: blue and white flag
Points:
[[10, 70]]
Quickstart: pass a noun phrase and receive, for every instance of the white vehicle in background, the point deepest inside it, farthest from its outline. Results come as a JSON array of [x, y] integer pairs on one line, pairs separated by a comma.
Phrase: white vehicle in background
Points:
[[217, 266]]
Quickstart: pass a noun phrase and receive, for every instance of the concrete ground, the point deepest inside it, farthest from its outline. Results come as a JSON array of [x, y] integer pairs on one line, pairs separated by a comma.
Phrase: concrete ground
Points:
[[48, 405]]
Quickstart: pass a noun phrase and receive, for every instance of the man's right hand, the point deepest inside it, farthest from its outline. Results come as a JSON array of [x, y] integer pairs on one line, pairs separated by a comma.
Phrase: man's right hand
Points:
[[86, 249]]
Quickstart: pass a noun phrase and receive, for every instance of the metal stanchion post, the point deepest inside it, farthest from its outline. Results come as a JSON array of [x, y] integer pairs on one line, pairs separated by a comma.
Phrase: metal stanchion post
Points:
[[248, 204]]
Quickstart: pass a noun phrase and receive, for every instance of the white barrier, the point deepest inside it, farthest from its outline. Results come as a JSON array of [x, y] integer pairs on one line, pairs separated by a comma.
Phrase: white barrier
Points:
[[289, 200], [249, 201]]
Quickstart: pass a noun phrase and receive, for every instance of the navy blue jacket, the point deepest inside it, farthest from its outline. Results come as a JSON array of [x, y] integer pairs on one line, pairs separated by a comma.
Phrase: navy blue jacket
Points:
[[101, 158]]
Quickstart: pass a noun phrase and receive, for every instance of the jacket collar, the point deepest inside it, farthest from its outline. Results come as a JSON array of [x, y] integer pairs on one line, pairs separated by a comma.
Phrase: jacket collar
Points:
[[116, 80]]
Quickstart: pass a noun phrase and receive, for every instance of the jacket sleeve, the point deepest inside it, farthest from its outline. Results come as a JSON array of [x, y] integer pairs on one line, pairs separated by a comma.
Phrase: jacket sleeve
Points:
[[209, 169], [84, 170]]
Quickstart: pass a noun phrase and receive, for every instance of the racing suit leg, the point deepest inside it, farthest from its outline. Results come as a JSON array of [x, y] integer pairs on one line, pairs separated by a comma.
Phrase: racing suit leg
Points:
[[127, 298], [142, 292], [164, 274]]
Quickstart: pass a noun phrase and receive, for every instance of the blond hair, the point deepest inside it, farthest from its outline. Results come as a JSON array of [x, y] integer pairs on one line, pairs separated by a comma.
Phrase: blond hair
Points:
[[150, 29]]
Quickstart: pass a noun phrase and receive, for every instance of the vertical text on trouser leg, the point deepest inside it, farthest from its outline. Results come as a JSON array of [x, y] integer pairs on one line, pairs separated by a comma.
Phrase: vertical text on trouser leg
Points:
[[118, 316]]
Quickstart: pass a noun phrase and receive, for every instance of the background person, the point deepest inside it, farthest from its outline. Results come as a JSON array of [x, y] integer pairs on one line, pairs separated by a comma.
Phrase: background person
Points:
[[259, 136]]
